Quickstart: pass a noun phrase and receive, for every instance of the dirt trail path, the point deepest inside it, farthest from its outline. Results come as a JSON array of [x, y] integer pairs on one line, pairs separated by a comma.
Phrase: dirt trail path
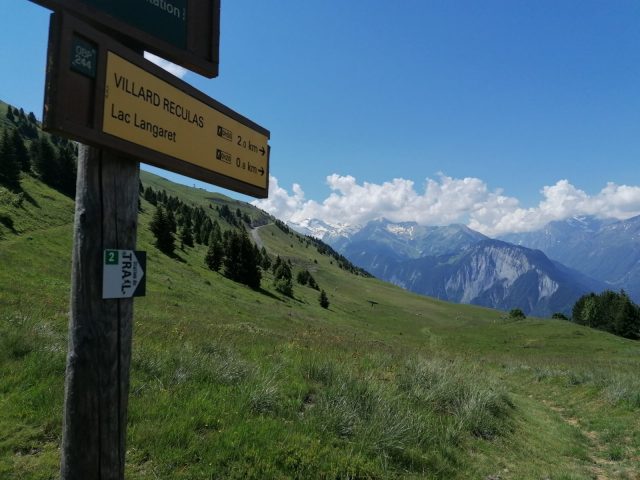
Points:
[[601, 467], [256, 236]]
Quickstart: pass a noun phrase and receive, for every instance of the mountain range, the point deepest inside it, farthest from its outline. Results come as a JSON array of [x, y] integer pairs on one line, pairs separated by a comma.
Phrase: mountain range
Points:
[[458, 264], [607, 250]]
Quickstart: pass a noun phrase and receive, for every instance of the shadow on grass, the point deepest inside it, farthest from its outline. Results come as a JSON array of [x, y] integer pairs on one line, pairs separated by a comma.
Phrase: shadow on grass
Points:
[[7, 221], [172, 255], [175, 256], [30, 199], [266, 293], [283, 298]]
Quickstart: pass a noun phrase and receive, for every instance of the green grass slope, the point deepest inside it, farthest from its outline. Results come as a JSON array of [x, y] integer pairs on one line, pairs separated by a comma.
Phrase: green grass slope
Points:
[[228, 382]]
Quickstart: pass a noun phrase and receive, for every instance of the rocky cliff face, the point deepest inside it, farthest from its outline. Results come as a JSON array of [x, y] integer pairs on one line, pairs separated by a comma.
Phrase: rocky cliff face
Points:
[[607, 250], [457, 264]]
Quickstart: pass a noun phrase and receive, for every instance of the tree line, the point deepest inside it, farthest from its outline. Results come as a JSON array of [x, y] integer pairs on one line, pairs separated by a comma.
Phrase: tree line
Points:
[[24, 149], [613, 312], [610, 311]]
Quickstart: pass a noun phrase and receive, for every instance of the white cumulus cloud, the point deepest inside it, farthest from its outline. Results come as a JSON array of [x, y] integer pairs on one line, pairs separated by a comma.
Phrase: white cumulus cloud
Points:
[[445, 200], [172, 68]]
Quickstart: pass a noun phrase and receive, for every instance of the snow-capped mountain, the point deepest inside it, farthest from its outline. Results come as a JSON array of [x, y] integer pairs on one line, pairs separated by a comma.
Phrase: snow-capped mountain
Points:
[[322, 230], [608, 250], [458, 264]]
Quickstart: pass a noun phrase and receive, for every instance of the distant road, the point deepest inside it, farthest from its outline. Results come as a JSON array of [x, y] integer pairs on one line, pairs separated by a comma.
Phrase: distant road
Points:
[[256, 236]]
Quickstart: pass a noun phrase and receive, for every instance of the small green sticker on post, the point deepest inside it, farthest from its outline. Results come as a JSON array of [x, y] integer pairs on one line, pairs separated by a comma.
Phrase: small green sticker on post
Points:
[[84, 57], [111, 257]]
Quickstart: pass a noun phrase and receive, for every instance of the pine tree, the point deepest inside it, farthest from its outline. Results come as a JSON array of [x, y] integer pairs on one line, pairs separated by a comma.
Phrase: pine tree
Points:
[[9, 115], [251, 274], [609, 311], [171, 219], [216, 233], [43, 159], [240, 264], [283, 279], [160, 229], [231, 255], [67, 168], [323, 299], [22, 154], [303, 277], [215, 253], [266, 260], [9, 166], [186, 236], [150, 196], [276, 264]]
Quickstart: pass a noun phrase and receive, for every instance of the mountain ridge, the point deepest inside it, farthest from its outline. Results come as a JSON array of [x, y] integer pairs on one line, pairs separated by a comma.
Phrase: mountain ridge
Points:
[[458, 264]]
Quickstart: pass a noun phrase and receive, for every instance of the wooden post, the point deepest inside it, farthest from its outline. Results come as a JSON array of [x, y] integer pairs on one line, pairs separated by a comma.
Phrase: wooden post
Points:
[[97, 376]]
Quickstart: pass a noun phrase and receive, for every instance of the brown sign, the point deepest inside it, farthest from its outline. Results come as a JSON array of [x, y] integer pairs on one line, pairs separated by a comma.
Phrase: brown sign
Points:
[[186, 32], [101, 93]]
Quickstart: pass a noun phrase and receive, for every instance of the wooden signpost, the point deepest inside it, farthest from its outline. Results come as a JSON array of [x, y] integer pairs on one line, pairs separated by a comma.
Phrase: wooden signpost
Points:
[[125, 103], [185, 32], [101, 91]]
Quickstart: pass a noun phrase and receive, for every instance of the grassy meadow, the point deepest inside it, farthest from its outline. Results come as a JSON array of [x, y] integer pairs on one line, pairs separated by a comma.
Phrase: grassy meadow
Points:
[[228, 382]]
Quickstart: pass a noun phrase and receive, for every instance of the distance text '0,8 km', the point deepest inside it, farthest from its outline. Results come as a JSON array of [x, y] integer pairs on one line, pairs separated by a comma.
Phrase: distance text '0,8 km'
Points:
[[142, 108]]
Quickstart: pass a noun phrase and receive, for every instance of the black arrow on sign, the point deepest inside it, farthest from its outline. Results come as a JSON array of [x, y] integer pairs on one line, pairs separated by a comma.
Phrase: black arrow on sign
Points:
[[262, 151], [261, 172]]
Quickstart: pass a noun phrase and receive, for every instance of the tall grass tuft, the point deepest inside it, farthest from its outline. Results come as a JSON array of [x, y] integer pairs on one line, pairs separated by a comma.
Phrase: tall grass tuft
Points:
[[474, 403], [208, 364], [264, 396], [411, 419]]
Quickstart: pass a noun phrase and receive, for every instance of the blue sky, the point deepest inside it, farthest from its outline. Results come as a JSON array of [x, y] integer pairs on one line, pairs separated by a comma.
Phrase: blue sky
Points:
[[518, 112]]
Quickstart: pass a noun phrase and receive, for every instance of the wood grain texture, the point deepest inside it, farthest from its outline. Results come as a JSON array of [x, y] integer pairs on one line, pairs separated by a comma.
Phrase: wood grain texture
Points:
[[99, 357]]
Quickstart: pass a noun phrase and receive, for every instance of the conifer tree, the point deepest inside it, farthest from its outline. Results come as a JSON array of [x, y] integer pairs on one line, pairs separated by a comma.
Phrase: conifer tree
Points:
[[204, 233], [171, 219], [43, 159], [276, 264], [21, 152], [266, 260], [216, 232], [283, 279], [231, 255], [9, 166], [67, 168], [215, 253], [186, 235], [303, 277], [150, 196], [609, 311], [251, 274], [239, 262], [9, 114], [160, 229], [323, 299]]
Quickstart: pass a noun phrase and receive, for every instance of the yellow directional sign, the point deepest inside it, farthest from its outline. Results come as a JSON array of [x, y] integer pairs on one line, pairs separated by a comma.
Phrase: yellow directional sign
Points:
[[144, 109]]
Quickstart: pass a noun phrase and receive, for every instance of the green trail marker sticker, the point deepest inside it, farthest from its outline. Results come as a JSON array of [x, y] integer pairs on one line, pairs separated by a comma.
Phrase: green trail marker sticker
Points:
[[111, 257], [123, 274]]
